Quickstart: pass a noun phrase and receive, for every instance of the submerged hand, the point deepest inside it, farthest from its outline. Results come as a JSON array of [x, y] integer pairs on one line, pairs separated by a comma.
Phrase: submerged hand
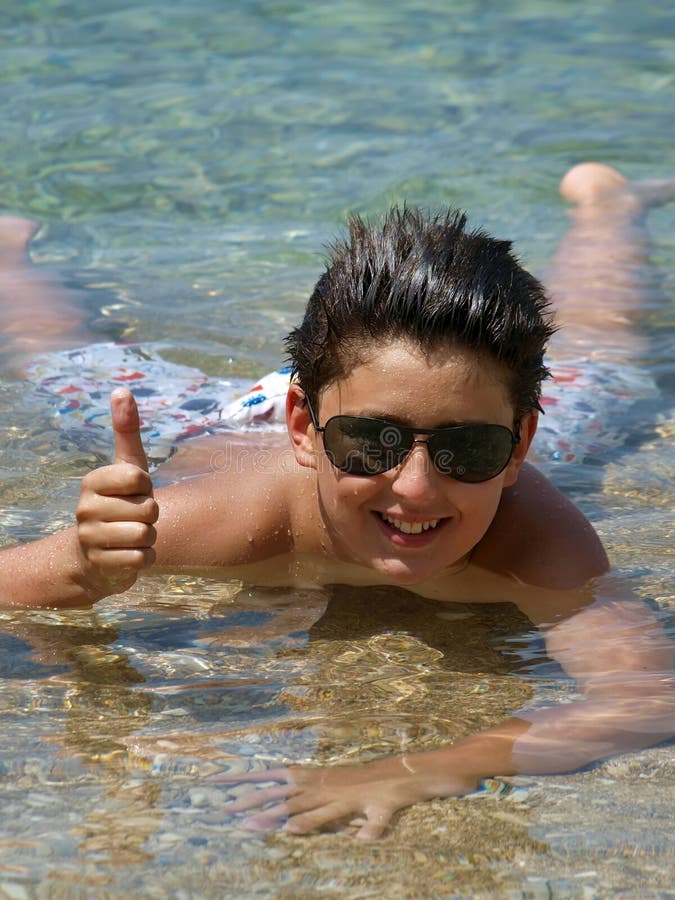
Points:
[[366, 795], [117, 511]]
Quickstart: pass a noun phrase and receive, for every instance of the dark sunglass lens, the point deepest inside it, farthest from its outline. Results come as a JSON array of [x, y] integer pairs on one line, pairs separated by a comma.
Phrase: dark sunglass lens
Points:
[[361, 446], [472, 453]]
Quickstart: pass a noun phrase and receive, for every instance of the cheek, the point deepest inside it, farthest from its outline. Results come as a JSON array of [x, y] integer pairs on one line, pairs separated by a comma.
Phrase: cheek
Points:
[[479, 504], [341, 495]]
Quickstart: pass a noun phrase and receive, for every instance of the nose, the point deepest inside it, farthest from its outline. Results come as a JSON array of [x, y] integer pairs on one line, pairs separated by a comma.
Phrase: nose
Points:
[[416, 478]]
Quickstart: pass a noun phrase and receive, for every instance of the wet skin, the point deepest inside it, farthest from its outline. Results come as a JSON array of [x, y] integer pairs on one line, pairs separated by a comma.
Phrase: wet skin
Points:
[[292, 520], [315, 525], [457, 387]]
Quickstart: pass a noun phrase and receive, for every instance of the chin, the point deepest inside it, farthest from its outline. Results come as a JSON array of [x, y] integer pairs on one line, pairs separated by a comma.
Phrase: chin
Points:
[[403, 574]]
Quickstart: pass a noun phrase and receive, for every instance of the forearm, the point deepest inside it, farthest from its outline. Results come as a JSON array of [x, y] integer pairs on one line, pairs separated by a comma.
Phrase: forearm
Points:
[[561, 739], [622, 662], [557, 739], [49, 573]]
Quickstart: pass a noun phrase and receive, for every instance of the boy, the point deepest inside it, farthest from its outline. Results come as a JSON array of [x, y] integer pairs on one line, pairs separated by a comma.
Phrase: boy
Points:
[[415, 398]]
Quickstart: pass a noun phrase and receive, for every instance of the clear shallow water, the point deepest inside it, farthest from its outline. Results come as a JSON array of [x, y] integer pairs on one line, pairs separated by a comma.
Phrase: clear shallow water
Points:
[[188, 165]]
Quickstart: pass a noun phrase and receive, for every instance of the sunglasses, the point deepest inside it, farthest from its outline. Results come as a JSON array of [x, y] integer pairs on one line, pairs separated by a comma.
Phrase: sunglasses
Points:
[[360, 445]]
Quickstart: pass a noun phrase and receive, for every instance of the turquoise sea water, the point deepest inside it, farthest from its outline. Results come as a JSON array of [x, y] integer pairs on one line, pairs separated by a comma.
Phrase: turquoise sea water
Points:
[[188, 163]]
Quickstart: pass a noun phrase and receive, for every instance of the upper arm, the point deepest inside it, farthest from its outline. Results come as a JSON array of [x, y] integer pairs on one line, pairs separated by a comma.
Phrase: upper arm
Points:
[[205, 455], [613, 646], [225, 519]]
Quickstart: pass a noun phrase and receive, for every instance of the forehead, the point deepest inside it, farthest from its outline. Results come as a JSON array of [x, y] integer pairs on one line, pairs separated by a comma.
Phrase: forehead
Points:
[[399, 380]]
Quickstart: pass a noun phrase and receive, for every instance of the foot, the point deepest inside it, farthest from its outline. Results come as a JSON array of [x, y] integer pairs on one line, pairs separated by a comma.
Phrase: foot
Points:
[[600, 276], [594, 185], [590, 183]]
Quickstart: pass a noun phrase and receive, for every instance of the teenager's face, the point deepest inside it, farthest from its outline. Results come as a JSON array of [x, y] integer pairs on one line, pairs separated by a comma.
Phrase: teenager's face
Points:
[[359, 513]]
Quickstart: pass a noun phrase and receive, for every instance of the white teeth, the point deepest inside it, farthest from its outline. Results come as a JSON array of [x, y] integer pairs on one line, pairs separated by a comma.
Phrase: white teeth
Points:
[[410, 527]]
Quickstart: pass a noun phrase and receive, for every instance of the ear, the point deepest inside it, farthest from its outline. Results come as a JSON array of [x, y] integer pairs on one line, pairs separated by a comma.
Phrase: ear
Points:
[[300, 428], [528, 429]]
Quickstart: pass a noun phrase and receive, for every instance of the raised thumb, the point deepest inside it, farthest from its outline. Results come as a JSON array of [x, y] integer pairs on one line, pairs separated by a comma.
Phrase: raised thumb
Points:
[[126, 427]]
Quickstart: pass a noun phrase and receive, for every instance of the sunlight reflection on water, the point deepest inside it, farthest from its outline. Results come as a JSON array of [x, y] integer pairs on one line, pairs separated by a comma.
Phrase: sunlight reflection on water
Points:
[[188, 166]]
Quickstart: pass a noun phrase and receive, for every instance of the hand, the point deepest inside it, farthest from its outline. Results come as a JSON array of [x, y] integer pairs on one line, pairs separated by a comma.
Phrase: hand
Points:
[[117, 511], [366, 795]]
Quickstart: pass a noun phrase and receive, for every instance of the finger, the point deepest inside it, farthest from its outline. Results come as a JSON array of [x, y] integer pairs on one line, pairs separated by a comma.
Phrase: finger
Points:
[[317, 818], [121, 480], [377, 819], [121, 561], [268, 820], [281, 774], [116, 508], [126, 427], [117, 535], [256, 799]]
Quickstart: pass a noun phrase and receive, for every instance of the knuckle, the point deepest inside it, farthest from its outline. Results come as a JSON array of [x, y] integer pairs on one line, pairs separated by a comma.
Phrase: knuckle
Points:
[[85, 501], [142, 558], [84, 533], [140, 479], [81, 514], [129, 476], [97, 557], [152, 510], [88, 508], [86, 482], [133, 558], [148, 511], [98, 477], [149, 557], [145, 535], [120, 478], [94, 475]]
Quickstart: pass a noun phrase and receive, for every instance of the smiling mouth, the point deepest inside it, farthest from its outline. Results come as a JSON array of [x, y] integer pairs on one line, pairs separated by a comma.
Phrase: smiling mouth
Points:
[[409, 527]]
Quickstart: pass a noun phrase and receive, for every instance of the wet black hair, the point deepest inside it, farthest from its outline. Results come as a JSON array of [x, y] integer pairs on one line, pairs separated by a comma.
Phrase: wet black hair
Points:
[[426, 279]]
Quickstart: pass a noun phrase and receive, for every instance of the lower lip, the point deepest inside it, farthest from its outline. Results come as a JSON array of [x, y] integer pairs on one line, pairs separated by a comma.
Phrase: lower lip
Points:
[[401, 539]]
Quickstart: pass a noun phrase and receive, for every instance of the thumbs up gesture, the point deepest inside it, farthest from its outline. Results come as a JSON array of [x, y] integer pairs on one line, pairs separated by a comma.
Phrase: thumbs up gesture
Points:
[[117, 510]]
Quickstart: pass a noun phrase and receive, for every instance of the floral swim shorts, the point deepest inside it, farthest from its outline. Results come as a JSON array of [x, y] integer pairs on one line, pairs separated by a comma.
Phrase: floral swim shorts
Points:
[[583, 402], [175, 401], [586, 406]]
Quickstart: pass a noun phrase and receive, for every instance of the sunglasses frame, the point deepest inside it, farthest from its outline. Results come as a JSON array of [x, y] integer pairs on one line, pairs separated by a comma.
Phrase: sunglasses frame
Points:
[[415, 432]]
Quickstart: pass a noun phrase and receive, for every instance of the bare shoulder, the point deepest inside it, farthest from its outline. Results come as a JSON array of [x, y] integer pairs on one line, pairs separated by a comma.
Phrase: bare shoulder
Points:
[[218, 452], [541, 538], [236, 512]]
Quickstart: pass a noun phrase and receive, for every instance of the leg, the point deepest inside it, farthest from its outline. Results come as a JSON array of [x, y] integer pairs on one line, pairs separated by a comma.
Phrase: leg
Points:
[[36, 313], [600, 276]]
